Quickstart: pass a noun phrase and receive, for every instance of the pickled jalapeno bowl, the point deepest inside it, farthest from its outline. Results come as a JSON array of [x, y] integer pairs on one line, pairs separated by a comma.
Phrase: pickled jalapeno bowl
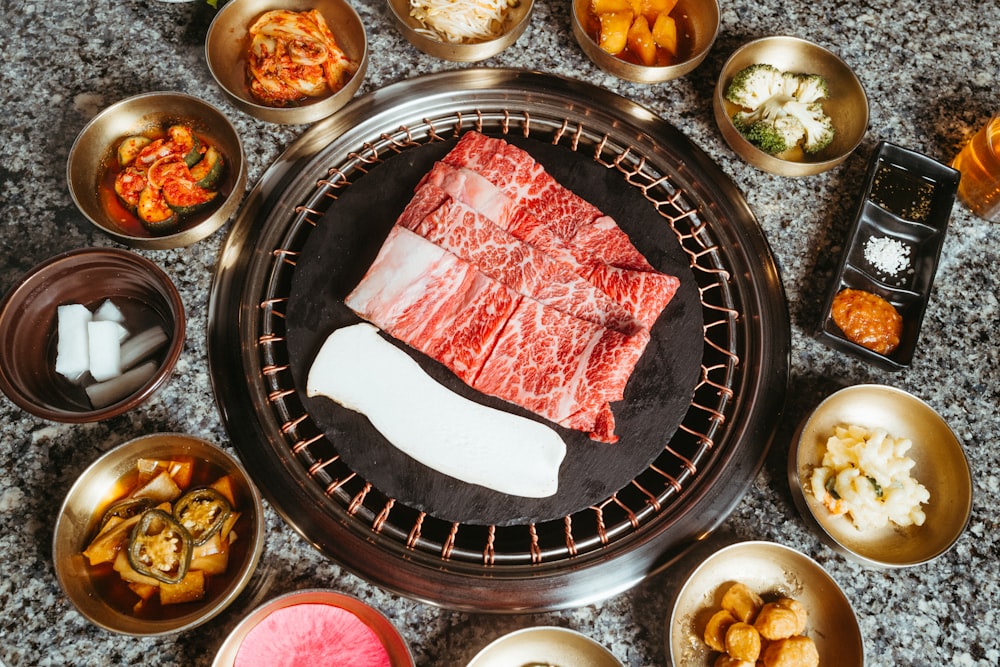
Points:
[[143, 300], [159, 170], [158, 535]]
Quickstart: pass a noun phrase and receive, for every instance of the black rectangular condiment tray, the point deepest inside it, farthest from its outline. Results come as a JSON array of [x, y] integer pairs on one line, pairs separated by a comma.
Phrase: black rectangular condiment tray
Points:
[[894, 245]]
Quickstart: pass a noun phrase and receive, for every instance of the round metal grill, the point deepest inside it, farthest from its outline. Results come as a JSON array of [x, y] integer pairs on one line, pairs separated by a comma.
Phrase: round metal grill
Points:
[[704, 467]]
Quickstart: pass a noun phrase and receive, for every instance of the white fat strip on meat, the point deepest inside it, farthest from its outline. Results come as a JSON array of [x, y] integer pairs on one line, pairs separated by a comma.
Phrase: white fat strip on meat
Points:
[[460, 438]]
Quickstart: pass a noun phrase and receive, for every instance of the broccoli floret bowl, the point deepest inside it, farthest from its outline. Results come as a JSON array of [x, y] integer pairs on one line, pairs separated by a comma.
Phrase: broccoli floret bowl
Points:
[[789, 106]]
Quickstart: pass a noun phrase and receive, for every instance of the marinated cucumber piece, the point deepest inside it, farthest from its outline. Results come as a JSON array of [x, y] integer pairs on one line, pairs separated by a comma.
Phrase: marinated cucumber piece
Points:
[[129, 149], [184, 197], [129, 184], [153, 211], [207, 171], [185, 143], [168, 169]]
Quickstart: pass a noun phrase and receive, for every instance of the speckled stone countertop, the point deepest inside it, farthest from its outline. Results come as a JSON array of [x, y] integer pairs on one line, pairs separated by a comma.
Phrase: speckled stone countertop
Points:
[[931, 72]]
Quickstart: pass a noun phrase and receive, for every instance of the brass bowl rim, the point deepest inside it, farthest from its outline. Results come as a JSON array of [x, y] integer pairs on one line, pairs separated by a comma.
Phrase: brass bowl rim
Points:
[[759, 562], [771, 163], [465, 52], [183, 237], [392, 640], [838, 532], [115, 458], [309, 112], [635, 72]]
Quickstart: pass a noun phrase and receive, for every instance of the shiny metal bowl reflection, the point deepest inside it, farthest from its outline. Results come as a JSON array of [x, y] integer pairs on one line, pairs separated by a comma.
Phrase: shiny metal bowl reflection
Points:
[[847, 105], [96, 146], [515, 22], [701, 18], [88, 276], [82, 509], [941, 466], [545, 645], [227, 42], [772, 571]]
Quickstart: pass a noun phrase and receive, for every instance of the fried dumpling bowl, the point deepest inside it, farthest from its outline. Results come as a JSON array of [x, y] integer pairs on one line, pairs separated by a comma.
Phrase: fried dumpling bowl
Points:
[[228, 46]]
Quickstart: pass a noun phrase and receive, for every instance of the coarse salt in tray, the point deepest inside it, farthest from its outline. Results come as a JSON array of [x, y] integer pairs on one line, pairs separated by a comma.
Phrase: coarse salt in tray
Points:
[[894, 247]]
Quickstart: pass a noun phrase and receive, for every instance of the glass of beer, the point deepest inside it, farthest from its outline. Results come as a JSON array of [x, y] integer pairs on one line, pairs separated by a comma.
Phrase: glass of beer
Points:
[[979, 164]]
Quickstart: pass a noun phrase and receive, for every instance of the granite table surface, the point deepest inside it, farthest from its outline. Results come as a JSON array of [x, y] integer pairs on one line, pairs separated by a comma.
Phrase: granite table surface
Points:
[[931, 73]]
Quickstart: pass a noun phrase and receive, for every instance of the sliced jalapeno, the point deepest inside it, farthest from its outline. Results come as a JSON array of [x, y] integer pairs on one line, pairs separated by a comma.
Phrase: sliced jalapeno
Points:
[[202, 512], [160, 547], [126, 509]]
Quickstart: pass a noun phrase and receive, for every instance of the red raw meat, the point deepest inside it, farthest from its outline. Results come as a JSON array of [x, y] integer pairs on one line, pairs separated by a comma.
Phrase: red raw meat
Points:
[[524, 290], [463, 231], [601, 252], [561, 367]]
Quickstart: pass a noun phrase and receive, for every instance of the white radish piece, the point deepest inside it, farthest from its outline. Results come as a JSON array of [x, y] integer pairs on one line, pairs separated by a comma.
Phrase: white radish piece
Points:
[[141, 345], [109, 312], [460, 438], [72, 345], [103, 394], [105, 349]]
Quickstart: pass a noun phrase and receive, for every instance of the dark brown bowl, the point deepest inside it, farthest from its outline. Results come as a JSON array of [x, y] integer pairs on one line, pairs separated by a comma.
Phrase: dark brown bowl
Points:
[[28, 328]]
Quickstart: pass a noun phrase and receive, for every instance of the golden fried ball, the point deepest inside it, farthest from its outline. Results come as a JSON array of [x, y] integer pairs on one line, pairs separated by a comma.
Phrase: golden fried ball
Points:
[[725, 660], [800, 611], [799, 651], [742, 602], [715, 630], [743, 642], [776, 622]]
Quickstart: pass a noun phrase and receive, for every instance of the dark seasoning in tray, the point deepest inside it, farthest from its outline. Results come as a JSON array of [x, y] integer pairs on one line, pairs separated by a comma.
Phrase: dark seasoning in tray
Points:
[[894, 245]]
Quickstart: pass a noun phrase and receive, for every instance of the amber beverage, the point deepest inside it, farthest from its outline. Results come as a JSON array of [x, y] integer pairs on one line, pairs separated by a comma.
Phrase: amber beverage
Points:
[[979, 164]]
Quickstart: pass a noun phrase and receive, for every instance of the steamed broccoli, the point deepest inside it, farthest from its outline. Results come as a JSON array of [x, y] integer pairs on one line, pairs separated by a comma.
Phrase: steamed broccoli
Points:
[[780, 109]]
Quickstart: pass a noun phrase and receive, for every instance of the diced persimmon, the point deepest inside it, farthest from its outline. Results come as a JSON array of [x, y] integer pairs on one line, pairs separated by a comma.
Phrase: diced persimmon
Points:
[[640, 41], [213, 564], [653, 8], [129, 573], [607, 6], [144, 591], [181, 472], [665, 33], [613, 37], [106, 546], [225, 486], [161, 488], [189, 589]]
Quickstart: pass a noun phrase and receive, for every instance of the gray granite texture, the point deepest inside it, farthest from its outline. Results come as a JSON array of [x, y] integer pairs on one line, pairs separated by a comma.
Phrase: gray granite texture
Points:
[[931, 73]]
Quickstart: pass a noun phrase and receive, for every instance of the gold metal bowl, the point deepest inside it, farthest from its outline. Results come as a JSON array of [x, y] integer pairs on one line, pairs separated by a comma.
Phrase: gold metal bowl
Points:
[[701, 18], [941, 466], [228, 41], [393, 643], [772, 571], [82, 509], [95, 148], [543, 646], [516, 21], [88, 276], [847, 105]]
